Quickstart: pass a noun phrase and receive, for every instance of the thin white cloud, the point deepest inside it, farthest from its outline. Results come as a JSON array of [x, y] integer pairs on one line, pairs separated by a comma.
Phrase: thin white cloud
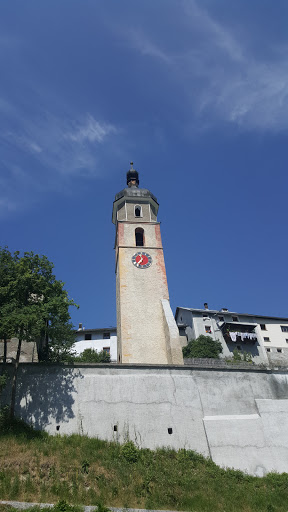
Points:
[[220, 76], [40, 153], [145, 46], [61, 144], [22, 142], [7, 205], [92, 131], [216, 33]]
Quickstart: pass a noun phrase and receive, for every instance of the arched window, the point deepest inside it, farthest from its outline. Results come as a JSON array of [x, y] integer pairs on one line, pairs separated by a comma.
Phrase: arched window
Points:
[[139, 237], [138, 211]]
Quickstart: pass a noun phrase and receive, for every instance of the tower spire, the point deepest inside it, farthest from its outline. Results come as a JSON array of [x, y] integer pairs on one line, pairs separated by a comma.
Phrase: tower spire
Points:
[[132, 177]]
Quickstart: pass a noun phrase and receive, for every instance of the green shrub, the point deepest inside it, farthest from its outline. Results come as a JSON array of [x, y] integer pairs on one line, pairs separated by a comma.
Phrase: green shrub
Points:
[[130, 452], [203, 346], [89, 355], [241, 356], [236, 355], [63, 506]]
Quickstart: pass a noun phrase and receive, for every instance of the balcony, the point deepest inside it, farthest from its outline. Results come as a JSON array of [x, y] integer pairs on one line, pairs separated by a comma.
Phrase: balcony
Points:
[[234, 332]]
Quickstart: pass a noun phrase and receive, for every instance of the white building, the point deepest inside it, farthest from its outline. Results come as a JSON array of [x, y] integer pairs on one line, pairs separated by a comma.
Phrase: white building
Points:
[[265, 337], [99, 339]]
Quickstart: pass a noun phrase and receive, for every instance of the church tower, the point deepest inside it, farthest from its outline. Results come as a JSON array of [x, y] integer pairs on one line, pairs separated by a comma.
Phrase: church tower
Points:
[[146, 330]]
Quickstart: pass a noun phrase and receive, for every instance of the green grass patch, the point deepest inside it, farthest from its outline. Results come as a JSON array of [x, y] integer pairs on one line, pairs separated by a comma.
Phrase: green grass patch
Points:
[[36, 467]]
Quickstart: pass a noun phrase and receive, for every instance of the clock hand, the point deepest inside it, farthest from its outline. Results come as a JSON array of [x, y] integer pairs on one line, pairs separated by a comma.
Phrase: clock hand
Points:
[[140, 260]]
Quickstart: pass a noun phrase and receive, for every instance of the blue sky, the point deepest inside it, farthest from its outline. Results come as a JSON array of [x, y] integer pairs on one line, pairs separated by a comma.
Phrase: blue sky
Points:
[[196, 94]]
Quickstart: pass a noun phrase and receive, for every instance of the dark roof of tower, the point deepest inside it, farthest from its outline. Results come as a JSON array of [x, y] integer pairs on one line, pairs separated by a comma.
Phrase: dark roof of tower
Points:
[[135, 192], [132, 174]]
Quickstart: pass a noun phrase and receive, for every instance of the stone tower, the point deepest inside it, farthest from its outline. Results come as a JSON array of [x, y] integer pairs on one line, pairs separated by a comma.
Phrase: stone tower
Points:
[[146, 330]]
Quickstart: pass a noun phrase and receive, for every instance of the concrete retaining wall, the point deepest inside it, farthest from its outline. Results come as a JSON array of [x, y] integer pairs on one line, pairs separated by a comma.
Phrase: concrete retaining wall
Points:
[[238, 417]]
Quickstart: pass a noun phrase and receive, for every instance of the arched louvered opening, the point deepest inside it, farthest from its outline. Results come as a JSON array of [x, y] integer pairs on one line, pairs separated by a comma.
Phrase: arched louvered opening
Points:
[[138, 211], [139, 237]]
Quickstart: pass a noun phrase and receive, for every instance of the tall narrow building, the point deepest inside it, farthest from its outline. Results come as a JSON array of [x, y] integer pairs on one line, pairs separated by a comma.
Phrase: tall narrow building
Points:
[[146, 330]]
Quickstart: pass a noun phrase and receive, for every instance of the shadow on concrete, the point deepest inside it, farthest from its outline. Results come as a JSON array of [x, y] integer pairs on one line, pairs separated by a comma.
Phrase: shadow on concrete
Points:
[[251, 348], [45, 393]]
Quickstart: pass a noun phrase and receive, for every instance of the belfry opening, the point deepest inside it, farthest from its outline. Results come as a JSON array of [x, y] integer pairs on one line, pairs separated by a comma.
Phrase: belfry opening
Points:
[[139, 237]]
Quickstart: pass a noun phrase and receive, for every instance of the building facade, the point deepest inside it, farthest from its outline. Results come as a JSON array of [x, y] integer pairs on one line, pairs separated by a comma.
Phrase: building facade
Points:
[[265, 337], [146, 330], [102, 339]]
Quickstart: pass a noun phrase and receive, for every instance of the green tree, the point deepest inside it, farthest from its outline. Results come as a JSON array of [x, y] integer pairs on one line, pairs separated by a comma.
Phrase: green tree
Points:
[[89, 355], [34, 307], [7, 265], [203, 346]]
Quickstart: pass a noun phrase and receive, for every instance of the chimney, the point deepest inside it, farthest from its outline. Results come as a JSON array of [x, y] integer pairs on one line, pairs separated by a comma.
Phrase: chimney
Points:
[[224, 309], [205, 305], [80, 327]]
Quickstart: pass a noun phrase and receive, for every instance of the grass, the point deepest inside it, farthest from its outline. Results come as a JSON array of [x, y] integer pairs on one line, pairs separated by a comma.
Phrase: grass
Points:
[[36, 467]]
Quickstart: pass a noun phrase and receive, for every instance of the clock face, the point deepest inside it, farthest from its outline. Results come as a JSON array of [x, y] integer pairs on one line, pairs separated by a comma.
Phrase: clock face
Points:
[[142, 259]]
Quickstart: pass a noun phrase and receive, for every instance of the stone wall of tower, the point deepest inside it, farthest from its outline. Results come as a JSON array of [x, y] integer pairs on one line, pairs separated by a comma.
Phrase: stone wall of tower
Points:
[[146, 329], [139, 295], [130, 208]]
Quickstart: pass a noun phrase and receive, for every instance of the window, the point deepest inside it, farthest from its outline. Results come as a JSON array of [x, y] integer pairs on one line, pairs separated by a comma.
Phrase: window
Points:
[[106, 335], [268, 349], [239, 347], [208, 329], [263, 327], [221, 318], [138, 211], [266, 339], [279, 349], [286, 340], [234, 318], [205, 315], [106, 350], [284, 328], [88, 336], [139, 237]]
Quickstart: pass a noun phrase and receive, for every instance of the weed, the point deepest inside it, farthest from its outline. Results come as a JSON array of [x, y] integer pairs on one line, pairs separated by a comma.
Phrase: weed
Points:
[[102, 508], [85, 466], [63, 506]]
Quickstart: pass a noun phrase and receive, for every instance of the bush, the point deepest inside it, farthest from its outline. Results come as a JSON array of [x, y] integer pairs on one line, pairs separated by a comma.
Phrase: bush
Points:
[[63, 506], [236, 355], [239, 356], [130, 452], [203, 346], [89, 355]]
